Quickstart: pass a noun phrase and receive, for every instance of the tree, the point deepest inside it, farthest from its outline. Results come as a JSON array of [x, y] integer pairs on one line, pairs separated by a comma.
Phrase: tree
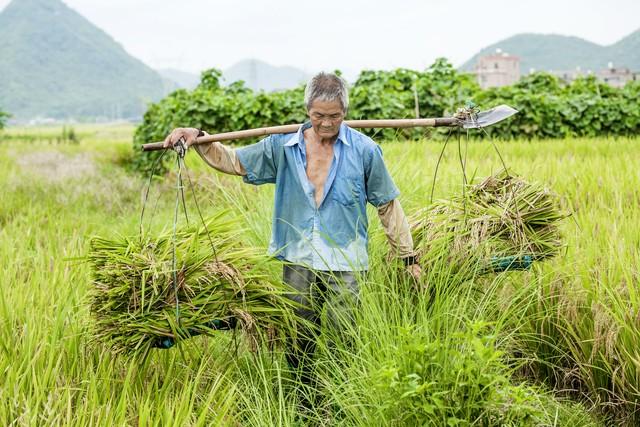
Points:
[[3, 119]]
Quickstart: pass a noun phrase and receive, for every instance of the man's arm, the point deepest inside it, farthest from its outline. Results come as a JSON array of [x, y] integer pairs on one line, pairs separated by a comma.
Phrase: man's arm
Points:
[[221, 157], [396, 228], [215, 154], [383, 193]]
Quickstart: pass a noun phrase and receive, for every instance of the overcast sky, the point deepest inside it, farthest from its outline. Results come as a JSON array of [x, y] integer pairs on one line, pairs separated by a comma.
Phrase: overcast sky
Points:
[[347, 34]]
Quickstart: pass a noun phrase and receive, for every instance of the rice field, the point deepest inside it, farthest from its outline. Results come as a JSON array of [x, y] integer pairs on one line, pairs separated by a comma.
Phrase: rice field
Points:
[[556, 345]]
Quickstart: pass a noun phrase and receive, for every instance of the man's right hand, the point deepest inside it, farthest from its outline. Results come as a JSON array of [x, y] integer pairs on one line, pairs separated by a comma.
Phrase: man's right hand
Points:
[[188, 134]]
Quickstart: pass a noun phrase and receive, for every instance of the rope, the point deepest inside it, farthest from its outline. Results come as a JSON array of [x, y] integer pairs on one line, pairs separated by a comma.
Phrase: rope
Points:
[[435, 174], [463, 159], [180, 199], [181, 187], [469, 114], [146, 194], [175, 220], [195, 200], [495, 147], [179, 192], [464, 178]]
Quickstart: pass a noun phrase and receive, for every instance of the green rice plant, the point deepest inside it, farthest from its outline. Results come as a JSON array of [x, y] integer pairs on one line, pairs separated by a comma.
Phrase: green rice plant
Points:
[[452, 381], [152, 290], [502, 223], [569, 327], [410, 360]]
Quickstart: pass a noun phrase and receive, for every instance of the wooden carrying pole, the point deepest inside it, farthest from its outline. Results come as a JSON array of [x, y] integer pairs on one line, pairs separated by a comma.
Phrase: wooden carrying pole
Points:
[[361, 124]]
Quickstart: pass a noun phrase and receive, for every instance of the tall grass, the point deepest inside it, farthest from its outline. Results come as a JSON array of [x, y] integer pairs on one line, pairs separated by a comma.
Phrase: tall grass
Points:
[[554, 346]]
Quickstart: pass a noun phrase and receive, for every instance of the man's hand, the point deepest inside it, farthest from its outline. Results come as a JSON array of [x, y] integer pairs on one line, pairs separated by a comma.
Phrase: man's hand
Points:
[[415, 271], [188, 134]]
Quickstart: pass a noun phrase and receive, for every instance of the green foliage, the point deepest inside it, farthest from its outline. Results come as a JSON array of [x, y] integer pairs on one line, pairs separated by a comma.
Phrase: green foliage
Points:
[[3, 119], [549, 108], [216, 108], [376, 94], [453, 380], [439, 91], [68, 135]]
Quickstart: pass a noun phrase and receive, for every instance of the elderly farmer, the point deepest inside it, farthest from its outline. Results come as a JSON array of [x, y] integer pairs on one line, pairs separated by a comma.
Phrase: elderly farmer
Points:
[[324, 175]]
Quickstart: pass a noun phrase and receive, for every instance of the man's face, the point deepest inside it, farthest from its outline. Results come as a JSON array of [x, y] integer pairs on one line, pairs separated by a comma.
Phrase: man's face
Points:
[[326, 117]]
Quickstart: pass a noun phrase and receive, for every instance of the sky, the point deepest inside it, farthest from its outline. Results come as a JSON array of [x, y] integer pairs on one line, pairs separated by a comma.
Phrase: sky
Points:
[[350, 35]]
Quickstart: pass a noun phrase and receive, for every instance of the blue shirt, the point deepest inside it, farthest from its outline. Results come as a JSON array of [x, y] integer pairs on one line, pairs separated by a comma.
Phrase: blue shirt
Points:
[[332, 236]]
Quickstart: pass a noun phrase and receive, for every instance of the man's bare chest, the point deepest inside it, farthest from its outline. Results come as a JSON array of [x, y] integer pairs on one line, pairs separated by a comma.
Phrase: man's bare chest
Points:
[[319, 159]]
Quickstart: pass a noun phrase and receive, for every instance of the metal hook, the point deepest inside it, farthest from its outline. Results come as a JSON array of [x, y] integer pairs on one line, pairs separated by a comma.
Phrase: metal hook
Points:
[[181, 147]]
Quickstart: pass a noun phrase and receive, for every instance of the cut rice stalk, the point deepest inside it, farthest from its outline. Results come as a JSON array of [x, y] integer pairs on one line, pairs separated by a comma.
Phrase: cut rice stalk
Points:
[[136, 305], [500, 224]]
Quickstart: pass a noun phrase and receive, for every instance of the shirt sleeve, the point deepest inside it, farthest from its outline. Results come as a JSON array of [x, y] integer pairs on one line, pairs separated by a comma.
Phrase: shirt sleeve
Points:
[[259, 161], [396, 228], [220, 157], [380, 186]]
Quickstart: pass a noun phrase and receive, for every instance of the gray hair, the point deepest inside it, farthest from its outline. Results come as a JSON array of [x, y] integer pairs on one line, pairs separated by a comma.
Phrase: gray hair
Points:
[[326, 87]]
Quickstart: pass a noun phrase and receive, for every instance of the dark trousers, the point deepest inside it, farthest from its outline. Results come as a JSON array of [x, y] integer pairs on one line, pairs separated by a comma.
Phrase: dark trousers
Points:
[[330, 295]]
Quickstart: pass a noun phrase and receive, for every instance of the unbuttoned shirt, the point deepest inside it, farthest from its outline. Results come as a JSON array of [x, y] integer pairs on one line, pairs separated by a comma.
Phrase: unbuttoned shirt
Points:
[[332, 236]]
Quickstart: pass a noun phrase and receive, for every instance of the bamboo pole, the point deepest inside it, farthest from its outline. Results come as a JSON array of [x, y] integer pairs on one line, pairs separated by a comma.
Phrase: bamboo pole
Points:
[[360, 124]]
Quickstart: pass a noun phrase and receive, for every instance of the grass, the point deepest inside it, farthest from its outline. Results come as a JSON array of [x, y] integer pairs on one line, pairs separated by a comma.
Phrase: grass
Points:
[[554, 346]]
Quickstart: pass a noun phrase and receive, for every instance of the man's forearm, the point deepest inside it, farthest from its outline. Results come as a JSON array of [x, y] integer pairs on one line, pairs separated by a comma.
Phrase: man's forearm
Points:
[[221, 157], [396, 228]]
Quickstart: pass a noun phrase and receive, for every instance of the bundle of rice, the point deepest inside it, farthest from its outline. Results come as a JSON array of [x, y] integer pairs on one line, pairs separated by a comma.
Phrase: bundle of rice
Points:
[[139, 301], [500, 224]]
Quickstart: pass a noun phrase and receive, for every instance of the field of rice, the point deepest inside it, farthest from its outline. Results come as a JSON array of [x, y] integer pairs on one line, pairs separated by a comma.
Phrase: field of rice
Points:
[[556, 345]]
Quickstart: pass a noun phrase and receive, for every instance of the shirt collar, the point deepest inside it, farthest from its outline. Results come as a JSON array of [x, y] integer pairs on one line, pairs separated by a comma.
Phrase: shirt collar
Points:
[[298, 137]]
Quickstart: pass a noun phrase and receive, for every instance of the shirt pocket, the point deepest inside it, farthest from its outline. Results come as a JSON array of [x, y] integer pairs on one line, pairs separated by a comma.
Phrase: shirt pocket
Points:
[[347, 191]]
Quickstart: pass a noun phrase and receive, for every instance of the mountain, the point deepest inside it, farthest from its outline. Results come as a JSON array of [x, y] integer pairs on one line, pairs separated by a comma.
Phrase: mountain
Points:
[[627, 50], [182, 79], [55, 63], [564, 53], [260, 75]]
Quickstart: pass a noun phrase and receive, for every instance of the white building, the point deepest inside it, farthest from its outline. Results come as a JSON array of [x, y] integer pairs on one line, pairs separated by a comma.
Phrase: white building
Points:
[[617, 77]]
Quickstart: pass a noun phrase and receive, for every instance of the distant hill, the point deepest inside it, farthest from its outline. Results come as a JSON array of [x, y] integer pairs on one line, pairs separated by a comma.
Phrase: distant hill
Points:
[[627, 51], [563, 53], [256, 74], [182, 79], [260, 75], [55, 63]]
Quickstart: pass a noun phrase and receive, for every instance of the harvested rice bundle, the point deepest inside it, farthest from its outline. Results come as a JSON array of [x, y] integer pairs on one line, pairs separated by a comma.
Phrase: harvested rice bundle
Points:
[[137, 304], [502, 223]]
